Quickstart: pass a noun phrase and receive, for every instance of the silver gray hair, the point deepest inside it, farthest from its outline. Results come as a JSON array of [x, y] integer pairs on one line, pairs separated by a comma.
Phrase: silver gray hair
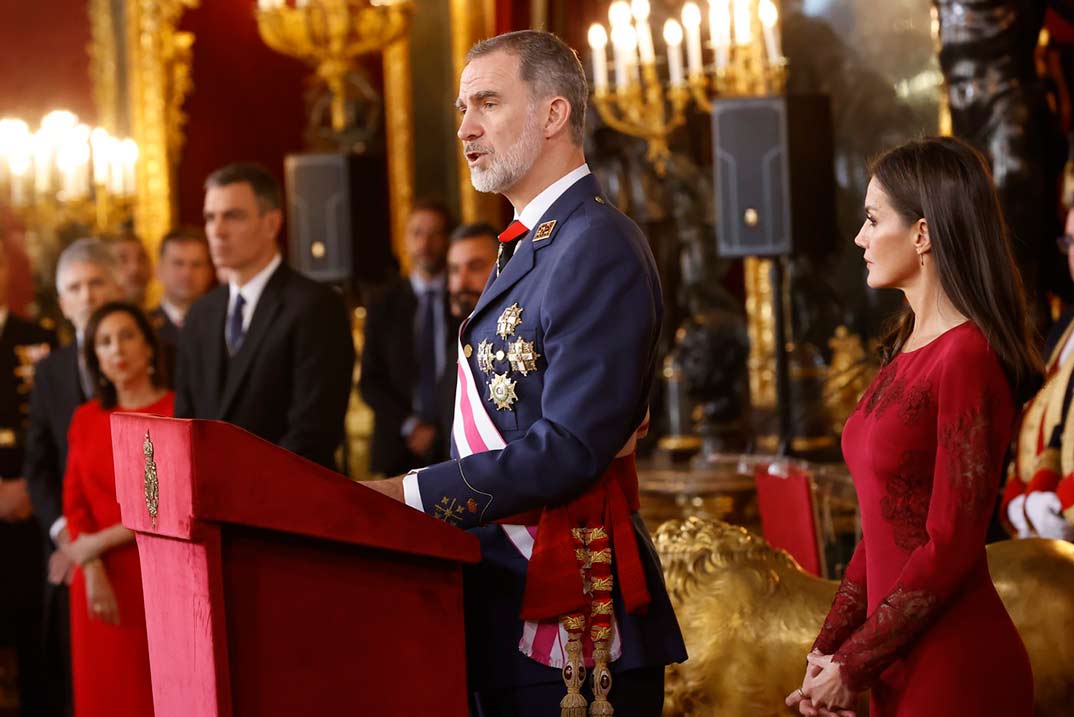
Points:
[[86, 251], [548, 66]]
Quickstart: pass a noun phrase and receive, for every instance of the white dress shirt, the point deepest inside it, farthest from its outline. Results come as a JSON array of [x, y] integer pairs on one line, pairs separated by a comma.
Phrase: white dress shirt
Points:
[[251, 293], [174, 314]]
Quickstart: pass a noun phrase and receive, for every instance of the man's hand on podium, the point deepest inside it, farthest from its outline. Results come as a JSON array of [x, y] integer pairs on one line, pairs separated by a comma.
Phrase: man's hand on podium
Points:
[[391, 487]]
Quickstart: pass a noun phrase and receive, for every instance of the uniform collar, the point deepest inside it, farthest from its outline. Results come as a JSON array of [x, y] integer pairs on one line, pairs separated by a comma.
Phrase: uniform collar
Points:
[[532, 212]]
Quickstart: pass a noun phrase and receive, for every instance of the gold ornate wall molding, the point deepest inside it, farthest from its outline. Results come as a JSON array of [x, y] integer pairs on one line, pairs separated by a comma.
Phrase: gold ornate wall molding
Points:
[[470, 21], [398, 113], [158, 70], [104, 64]]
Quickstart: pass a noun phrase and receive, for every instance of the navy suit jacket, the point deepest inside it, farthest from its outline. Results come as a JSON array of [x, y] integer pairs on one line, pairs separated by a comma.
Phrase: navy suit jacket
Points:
[[590, 300]]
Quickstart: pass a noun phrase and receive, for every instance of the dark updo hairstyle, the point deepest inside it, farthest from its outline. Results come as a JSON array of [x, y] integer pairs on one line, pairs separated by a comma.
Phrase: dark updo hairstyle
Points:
[[106, 391], [947, 182]]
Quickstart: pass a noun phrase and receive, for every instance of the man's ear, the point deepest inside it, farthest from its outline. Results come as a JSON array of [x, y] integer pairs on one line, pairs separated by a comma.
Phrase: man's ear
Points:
[[559, 114], [274, 217]]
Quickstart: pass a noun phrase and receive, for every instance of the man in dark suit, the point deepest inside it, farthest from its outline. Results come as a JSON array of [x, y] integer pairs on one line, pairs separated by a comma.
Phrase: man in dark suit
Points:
[[270, 351], [185, 271], [85, 280], [557, 362], [471, 257], [408, 335], [22, 567]]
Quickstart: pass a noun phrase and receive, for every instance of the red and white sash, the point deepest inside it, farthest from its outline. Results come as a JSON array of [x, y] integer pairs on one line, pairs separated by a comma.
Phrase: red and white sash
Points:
[[474, 432]]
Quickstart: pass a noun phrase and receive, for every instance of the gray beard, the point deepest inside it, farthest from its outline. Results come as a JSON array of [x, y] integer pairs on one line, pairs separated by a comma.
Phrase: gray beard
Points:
[[504, 171]]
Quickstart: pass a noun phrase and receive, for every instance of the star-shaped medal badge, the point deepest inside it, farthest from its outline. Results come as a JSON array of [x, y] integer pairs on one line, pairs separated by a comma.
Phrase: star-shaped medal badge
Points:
[[485, 356], [502, 392], [509, 321], [522, 356]]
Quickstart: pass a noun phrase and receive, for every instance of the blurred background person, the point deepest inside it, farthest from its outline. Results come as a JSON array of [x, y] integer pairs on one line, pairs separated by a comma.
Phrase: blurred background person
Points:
[[22, 564], [407, 337], [133, 267], [471, 256], [85, 280], [271, 350], [109, 645], [185, 271]]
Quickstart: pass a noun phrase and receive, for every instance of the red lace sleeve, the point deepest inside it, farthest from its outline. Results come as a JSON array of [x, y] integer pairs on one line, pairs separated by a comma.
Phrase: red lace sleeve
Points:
[[974, 418], [849, 607]]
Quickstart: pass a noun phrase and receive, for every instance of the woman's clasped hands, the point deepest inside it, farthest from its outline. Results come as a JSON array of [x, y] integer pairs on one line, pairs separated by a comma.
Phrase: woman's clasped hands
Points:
[[823, 692]]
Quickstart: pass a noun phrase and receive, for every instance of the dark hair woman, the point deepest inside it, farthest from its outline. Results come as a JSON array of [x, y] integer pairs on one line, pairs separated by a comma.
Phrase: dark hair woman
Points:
[[109, 648], [919, 622]]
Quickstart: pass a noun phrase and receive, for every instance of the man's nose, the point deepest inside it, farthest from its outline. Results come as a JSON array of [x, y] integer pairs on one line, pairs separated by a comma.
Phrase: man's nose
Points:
[[469, 129]]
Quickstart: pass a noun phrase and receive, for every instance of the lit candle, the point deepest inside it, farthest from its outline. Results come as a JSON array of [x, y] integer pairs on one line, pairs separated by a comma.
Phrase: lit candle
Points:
[[743, 30], [720, 29], [691, 22], [99, 144], [769, 15], [115, 170], [640, 9], [598, 42], [673, 39], [619, 57], [128, 150], [628, 37], [619, 13], [14, 135], [42, 151], [19, 163]]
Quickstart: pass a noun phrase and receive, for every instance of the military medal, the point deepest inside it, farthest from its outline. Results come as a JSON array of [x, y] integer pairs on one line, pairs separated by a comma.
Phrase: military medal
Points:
[[502, 392], [522, 356], [509, 321], [484, 356]]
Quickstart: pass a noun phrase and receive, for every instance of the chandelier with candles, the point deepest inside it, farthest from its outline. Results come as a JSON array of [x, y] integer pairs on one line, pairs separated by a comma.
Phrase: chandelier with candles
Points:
[[65, 168], [739, 55]]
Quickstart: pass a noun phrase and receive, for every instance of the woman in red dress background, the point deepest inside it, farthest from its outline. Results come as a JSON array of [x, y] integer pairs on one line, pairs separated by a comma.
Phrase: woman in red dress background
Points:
[[109, 647], [917, 619]]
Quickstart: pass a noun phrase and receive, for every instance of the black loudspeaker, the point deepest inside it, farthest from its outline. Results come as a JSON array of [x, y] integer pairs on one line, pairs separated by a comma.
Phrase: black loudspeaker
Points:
[[338, 219], [774, 176]]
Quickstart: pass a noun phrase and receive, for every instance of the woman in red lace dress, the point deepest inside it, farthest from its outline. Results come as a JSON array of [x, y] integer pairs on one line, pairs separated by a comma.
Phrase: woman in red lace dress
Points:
[[916, 619], [109, 648]]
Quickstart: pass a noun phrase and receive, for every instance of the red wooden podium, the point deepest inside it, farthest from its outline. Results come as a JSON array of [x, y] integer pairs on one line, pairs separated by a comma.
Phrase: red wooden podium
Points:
[[276, 587]]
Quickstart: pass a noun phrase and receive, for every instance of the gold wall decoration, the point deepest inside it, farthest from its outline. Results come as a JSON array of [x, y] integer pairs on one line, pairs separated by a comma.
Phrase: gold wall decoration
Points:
[[159, 62], [104, 64], [470, 22], [761, 328], [329, 35], [400, 141]]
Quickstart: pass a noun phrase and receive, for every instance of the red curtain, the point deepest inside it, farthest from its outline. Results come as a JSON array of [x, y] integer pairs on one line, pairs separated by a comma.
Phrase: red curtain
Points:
[[247, 103]]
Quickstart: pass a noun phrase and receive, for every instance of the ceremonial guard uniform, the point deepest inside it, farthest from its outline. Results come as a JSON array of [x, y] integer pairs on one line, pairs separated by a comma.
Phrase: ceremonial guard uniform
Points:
[[1043, 456], [22, 558], [555, 367]]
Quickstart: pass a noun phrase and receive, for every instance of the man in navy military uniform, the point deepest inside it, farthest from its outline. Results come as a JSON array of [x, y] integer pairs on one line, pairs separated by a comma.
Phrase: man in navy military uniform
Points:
[[22, 560], [556, 364]]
